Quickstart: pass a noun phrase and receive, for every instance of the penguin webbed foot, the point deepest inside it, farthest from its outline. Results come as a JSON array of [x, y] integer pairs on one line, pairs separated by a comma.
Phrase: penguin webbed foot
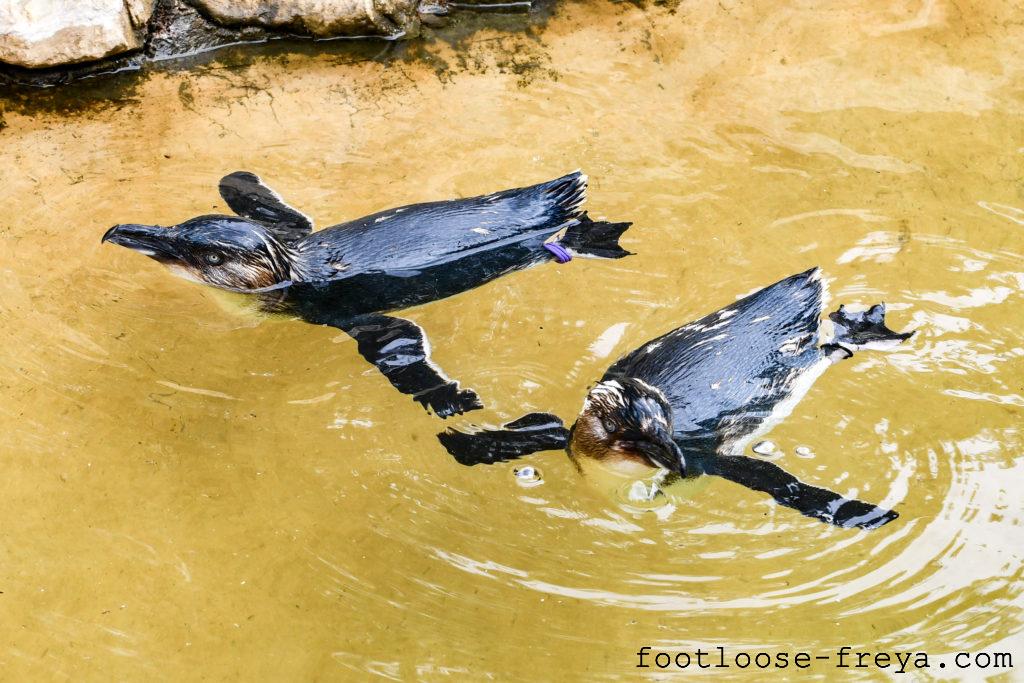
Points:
[[864, 330], [599, 239], [528, 434], [448, 400]]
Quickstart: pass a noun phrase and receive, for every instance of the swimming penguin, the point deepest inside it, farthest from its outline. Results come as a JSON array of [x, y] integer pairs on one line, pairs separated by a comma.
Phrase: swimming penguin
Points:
[[348, 274], [688, 402]]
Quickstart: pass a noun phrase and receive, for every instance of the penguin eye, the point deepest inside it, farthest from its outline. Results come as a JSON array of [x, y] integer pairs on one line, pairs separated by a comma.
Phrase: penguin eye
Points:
[[214, 258], [609, 426]]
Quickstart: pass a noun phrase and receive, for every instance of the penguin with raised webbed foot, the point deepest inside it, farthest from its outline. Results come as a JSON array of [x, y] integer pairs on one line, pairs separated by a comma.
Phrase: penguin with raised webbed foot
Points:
[[688, 402]]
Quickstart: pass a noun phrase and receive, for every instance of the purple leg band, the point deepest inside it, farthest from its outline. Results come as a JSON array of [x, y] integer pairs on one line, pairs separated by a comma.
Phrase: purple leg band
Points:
[[560, 252]]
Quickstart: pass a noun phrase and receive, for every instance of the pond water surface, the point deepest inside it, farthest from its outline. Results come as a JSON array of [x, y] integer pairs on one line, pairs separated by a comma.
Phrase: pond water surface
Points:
[[191, 492]]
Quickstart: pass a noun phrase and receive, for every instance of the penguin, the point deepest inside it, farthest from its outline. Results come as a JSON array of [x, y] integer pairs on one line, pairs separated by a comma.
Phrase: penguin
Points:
[[688, 402], [349, 275]]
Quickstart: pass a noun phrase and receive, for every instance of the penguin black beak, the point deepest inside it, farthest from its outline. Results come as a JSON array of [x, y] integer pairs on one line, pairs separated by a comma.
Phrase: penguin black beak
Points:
[[665, 453], [659, 449], [149, 240]]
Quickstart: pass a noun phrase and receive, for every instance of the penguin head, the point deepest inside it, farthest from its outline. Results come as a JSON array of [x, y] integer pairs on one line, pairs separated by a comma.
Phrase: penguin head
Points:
[[221, 251], [627, 419]]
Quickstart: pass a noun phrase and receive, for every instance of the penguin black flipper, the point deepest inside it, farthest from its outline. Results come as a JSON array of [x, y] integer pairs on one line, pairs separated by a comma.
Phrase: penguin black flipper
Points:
[[529, 434], [247, 196], [789, 491], [864, 329], [398, 348]]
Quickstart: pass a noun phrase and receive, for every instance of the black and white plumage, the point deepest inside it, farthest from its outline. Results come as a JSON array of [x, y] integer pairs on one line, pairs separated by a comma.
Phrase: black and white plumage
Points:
[[726, 374], [424, 236], [689, 400], [349, 274]]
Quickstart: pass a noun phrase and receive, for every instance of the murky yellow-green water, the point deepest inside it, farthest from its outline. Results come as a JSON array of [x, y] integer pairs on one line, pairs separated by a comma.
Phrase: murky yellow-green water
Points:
[[193, 494]]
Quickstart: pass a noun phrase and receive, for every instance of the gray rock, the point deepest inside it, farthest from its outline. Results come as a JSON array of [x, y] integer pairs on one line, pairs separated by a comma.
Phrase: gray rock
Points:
[[318, 18], [51, 42], [43, 33], [179, 29]]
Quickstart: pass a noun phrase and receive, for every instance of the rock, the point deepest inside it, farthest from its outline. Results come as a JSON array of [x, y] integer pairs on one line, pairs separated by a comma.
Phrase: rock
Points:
[[318, 18], [178, 28], [45, 43], [139, 11], [44, 33]]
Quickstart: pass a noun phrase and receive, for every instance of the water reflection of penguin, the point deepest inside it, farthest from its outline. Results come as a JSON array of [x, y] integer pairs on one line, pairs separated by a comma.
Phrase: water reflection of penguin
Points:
[[689, 401], [346, 275]]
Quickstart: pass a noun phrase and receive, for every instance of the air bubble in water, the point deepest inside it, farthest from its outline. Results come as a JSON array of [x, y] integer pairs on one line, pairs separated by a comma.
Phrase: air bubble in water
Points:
[[528, 476]]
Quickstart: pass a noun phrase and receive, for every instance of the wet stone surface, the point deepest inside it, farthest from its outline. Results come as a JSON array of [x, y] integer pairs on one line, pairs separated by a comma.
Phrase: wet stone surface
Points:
[[115, 37]]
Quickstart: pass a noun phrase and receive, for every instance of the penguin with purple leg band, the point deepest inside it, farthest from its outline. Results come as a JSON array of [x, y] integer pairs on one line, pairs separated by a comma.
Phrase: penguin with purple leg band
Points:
[[348, 275]]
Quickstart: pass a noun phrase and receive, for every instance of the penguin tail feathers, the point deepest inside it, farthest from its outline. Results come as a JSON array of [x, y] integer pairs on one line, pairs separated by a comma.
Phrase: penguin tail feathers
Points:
[[599, 239], [864, 329], [567, 194]]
